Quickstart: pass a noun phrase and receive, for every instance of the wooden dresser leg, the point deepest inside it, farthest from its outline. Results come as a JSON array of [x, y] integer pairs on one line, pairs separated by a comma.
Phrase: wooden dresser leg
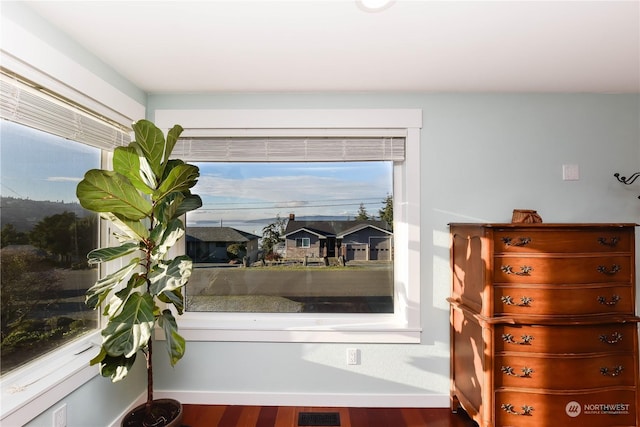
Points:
[[454, 403]]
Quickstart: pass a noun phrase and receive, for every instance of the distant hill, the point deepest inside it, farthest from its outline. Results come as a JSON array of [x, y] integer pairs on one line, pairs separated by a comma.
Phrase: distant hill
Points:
[[24, 214], [309, 218]]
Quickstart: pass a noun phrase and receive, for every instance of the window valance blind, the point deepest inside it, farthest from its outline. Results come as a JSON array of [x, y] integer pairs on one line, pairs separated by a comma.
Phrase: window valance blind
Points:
[[290, 149], [29, 105]]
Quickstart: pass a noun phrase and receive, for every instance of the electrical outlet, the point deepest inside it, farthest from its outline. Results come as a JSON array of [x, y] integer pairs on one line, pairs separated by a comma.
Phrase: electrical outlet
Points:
[[353, 356], [60, 416]]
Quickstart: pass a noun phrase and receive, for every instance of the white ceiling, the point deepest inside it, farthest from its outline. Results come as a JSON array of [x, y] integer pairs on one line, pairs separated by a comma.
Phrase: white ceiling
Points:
[[307, 46]]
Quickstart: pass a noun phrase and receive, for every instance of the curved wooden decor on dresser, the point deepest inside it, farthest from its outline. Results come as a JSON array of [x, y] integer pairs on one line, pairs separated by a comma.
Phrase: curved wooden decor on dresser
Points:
[[543, 324]]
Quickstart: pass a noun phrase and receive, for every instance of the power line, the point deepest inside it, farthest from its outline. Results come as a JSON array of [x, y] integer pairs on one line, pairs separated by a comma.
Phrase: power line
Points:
[[285, 205]]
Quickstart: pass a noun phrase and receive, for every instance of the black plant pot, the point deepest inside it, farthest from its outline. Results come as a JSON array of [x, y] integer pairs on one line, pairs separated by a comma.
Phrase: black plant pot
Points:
[[164, 413]]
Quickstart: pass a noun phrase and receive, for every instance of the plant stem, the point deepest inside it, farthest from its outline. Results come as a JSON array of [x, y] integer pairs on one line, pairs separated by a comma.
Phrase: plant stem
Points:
[[149, 376]]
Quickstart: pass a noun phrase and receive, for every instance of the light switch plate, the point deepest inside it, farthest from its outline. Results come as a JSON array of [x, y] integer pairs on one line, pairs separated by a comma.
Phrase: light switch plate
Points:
[[570, 172]]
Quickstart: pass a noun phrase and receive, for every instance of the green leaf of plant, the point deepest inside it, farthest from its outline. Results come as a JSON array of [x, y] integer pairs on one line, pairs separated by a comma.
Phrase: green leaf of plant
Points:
[[100, 290], [98, 357], [165, 209], [150, 139], [170, 275], [116, 368], [181, 178], [118, 299], [173, 297], [130, 330], [191, 202], [171, 234], [109, 191], [172, 138], [97, 256], [126, 161], [133, 230], [175, 343]]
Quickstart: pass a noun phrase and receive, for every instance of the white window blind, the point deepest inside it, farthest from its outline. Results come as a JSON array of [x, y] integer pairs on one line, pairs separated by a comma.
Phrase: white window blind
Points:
[[290, 149], [27, 104]]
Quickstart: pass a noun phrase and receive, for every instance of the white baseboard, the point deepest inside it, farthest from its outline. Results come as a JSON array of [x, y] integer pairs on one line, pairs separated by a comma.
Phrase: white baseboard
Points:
[[309, 399]]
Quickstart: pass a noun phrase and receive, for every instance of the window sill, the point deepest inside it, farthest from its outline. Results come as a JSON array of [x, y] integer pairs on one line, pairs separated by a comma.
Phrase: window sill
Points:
[[263, 327], [34, 388]]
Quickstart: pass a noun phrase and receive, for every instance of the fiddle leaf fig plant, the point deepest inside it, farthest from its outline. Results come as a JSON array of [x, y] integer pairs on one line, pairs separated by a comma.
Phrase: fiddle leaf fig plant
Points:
[[144, 196]]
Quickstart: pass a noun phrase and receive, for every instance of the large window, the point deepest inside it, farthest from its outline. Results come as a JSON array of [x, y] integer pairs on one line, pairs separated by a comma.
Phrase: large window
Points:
[[45, 238], [307, 137], [312, 237]]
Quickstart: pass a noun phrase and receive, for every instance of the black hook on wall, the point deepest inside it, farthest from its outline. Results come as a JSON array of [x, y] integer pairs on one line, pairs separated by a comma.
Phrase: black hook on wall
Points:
[[627, 180]]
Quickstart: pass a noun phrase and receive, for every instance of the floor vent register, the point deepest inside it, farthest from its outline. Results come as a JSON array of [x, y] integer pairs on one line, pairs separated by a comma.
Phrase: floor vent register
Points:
[[319, 419]]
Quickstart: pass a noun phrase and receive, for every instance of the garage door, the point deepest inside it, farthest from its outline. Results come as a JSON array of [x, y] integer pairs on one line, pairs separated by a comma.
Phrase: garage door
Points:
[[380, 249], [357, 251]]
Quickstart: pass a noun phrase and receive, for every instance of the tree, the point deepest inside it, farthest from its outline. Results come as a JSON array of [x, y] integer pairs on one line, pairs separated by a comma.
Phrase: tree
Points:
[[362, 213], [27, 281], [386, 213], [272, 234], [236, 250], [11, 236], [56, 234]]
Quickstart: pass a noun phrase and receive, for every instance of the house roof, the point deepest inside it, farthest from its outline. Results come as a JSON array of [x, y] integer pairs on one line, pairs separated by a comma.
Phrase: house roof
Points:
[[359, 227], [219, 234], [334, 228]]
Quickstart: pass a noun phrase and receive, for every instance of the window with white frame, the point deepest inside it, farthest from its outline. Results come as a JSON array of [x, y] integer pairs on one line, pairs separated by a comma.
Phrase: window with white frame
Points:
[[217, 135], [316, 258], [48, 143], [303, 242], [45, 238]]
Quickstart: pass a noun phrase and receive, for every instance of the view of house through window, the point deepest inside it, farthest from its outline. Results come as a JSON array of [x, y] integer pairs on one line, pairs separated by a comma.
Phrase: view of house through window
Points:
[[311, 237], [45, 238]]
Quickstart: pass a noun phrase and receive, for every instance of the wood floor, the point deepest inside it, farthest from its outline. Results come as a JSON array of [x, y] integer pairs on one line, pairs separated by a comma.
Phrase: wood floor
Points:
[[280, 416]]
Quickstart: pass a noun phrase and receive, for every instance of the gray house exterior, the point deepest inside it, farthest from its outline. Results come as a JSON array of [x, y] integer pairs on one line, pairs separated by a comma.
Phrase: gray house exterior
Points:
[[354, 240], [209, 244]]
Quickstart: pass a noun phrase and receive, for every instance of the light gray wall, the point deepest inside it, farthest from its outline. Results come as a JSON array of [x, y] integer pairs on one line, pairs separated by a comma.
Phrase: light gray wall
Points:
[[482, 156]]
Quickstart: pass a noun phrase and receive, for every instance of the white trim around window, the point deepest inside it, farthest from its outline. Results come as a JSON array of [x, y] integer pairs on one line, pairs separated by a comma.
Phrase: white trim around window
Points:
[[402, 326], [32, 389]]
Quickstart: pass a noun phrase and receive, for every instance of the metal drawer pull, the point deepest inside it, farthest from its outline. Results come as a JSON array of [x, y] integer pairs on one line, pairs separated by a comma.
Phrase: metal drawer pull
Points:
[[526, 301], [613, 242], [614, 300], [508, 408], [614, 269], [526, 339], [524, 270], [614, 372], [526, 372], [522, 241], [614, 338]]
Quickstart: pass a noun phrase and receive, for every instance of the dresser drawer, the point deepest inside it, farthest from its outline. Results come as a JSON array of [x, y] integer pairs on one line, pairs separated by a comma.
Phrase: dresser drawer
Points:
[[564, 372], [562, 241], [562, 270], [601, 338], [562, 300], [607, 408]]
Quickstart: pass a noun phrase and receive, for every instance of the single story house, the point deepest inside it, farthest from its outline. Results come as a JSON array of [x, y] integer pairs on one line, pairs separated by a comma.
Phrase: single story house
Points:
[[210, 244], [362, 240]]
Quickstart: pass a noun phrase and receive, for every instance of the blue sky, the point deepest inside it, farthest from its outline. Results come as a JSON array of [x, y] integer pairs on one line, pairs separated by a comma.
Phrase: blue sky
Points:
[[246, 191], [39, 166]]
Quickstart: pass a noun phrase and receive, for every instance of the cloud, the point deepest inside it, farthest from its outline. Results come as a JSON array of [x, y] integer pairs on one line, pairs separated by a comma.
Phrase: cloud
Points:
[[292, 190], [63, 179]]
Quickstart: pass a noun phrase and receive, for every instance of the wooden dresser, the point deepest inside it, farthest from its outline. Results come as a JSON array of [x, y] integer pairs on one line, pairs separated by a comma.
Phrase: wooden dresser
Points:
[[543, 325]]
